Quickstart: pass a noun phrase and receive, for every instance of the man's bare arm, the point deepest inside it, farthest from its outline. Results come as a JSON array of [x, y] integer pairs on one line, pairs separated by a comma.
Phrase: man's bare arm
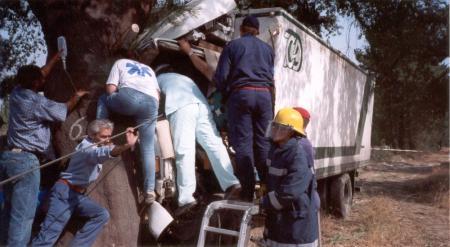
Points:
[[49, 66], [110, 88], [199, 64], [131, 141]]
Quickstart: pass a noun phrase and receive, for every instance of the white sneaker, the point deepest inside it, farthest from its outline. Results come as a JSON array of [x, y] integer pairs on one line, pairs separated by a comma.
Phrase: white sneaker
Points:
[[149, 197]]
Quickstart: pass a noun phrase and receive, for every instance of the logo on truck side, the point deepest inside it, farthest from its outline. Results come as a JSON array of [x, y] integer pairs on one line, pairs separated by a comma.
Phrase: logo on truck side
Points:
[[294, 50]]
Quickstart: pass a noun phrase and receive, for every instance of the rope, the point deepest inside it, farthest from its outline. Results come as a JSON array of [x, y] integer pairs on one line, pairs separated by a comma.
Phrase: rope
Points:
[[70, 80], [69, 155]]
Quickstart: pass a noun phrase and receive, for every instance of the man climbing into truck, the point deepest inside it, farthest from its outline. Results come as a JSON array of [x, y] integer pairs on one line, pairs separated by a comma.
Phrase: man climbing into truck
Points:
[[244, 76]]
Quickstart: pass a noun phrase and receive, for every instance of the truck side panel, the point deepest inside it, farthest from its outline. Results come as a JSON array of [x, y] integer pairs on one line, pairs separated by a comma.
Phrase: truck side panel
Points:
[[336, 92]]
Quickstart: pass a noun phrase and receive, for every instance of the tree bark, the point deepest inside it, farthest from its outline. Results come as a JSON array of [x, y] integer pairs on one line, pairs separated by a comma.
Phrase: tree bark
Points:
[[94, 30]]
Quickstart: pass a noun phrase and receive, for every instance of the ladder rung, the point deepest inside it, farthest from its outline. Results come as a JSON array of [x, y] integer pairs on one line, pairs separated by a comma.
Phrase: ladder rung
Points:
[[222, 231]]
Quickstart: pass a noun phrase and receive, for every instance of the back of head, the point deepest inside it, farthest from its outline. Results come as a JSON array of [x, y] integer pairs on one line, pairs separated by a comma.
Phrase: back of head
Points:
[[305, 115], [95, 126], [163, 68], [250, 25], [27, 75], [126, 53], [290, 117]]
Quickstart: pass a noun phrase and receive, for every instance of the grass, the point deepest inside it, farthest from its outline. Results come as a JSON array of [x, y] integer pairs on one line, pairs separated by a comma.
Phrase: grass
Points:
[[387, 220], [377, 223], [433, 189]]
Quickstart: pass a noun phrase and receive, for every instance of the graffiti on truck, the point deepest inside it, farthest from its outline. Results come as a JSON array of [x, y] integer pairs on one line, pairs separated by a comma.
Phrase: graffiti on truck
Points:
[[294, 51]]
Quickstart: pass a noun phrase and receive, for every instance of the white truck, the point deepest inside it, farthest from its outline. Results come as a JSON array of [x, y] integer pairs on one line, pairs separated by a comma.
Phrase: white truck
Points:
[[309, 73]]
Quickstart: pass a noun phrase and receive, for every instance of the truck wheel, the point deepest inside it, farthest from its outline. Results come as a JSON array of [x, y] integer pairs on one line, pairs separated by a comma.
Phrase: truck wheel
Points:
[[341, 195], [322, 189]]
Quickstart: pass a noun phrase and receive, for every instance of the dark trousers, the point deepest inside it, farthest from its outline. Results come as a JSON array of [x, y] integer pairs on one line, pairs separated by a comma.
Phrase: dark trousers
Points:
[[249, 113]]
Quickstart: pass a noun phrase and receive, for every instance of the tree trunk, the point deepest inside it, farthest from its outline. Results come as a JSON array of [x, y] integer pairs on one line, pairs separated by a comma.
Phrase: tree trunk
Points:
[[93, 31]]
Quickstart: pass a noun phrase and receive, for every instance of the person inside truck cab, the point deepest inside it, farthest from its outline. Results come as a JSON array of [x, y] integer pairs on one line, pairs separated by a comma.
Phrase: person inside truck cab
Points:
[[132, 91], [289, 204], [304, 142], [310, 153], [191, 120], [244, 76]]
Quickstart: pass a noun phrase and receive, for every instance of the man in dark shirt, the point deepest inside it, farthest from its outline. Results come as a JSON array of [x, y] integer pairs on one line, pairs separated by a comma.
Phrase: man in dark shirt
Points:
[[30, 115], [244, 76]]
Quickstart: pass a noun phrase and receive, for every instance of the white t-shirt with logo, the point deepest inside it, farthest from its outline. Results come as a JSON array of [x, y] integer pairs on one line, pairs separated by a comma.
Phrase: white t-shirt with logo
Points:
[[135, 75]]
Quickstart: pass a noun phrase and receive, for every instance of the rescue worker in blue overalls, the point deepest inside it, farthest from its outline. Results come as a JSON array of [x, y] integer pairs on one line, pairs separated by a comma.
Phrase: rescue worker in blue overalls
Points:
[[244, 76], [290, 207]]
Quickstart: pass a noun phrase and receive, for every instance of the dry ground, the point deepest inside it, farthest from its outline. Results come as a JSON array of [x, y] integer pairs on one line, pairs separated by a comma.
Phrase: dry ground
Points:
[[403, 201]]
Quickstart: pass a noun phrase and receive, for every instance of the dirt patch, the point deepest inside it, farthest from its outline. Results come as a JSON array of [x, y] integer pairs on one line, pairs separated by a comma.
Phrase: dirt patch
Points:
[[404, 201]]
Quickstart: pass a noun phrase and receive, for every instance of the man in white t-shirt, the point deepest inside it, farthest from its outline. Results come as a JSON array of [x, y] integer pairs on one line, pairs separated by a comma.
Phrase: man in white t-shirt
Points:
[[132, 90]]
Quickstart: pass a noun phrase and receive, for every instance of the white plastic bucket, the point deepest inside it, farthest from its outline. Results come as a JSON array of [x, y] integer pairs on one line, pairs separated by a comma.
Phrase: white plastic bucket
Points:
[[158, 219]]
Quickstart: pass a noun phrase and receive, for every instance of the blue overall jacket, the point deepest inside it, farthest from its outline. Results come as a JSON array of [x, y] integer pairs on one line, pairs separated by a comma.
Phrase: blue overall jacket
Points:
[[291, 213]]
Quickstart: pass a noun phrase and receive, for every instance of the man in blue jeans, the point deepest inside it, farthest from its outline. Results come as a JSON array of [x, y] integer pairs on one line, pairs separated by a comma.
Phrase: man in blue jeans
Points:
[[30, 116], [191, 120], [132, 90], [244, 75], [67, 195]]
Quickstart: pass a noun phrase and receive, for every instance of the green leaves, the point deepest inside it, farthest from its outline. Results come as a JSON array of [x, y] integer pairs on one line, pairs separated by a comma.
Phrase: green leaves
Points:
[[408, 40], [20, 36]]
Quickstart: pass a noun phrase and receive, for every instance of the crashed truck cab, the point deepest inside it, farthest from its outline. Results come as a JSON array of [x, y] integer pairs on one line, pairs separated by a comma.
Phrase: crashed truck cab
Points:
[[308, 73], [210, 25]]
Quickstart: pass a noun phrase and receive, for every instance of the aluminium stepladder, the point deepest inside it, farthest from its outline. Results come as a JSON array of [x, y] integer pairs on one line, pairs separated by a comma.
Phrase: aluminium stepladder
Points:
[[243, 234]]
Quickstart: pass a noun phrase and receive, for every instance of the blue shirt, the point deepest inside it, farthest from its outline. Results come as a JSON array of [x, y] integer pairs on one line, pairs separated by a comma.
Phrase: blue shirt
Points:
[[85, 166], [291, 218], [309, 150], [180, 91], [30, 115], [247, 61]]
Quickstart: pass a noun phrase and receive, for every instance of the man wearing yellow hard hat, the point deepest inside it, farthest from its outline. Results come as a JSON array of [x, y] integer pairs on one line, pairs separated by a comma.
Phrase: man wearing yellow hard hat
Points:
[[291, 213]]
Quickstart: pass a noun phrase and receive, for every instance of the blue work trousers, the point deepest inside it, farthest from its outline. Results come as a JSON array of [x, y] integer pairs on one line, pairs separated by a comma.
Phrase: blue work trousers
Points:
[[143, 108], [21, 196], [64, 202], [249, 113]]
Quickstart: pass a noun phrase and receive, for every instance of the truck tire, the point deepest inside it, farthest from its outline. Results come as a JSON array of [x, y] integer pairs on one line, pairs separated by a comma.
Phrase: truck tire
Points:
[[322, 189], [341, 195]]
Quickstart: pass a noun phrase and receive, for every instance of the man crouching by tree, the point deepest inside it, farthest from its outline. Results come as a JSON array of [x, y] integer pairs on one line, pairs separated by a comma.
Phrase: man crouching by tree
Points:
[[67, 195]]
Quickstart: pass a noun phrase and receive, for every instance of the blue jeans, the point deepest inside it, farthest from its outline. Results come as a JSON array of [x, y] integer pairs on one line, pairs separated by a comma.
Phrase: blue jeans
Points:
[[21, 196], [143, 108], [65, 202], [249, 113]]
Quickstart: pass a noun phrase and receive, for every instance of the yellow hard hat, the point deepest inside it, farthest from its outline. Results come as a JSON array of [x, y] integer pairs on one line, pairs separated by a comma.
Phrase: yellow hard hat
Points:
[[290, 117]]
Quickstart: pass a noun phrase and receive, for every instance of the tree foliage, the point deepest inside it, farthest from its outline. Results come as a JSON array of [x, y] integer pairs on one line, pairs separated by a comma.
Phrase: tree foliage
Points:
[[319, 16], [20, 39], [408, 40]]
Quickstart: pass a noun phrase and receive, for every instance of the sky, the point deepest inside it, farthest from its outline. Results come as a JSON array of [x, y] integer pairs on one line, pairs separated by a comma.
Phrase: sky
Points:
[[348, 40]]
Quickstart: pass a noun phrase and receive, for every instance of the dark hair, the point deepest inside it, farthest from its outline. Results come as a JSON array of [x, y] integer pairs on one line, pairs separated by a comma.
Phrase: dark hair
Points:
[[251, 21], [27, 75], [163, 68], [126, 53], [249, 30]]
